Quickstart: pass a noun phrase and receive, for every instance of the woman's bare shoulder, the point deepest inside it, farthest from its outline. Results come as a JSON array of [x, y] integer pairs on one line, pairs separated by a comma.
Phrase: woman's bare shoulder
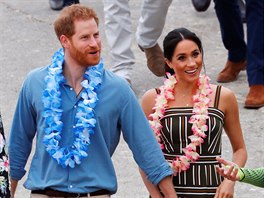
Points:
[[149, 97], [148, 101], [227, 98], [149, 94], [225, 92]]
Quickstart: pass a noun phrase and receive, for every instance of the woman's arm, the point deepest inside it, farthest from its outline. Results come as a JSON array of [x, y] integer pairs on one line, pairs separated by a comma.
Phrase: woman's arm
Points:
[[232, 127], [228, 104]]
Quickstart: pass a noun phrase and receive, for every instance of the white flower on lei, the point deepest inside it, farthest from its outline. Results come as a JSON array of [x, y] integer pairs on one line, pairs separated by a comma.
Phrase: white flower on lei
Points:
[[201, 102]]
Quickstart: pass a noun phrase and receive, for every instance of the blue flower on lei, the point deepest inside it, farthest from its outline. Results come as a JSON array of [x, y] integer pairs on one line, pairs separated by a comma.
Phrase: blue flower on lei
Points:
[[85, 122]]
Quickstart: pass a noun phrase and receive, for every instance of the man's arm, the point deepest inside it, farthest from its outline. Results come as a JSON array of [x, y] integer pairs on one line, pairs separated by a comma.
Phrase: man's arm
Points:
[[13, 187], [146, 150], [153, 190], [21, 135], [167, 188]]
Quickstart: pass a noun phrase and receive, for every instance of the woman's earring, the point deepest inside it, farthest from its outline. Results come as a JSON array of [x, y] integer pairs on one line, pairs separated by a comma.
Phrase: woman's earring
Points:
[[204, 68], [168, 63]]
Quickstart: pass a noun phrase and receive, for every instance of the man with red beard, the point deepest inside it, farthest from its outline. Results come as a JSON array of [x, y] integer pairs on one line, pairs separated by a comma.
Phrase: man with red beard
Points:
[[77, 110]]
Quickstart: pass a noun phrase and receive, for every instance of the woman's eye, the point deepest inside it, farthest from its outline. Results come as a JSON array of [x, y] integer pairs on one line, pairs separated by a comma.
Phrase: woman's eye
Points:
[[196, 54], [181, 58]]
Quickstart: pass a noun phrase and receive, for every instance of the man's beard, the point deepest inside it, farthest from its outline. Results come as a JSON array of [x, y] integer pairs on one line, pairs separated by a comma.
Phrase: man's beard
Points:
[[84, 58]]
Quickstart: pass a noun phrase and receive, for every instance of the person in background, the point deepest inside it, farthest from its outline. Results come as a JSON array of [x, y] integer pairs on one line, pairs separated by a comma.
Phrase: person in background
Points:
[[255, 53], [77, 110], [59, 4], [231, 171], [242, 7], [229, 17], [118, 32], [188, 115], [201, 5], [4, 164], [240, 56], [151, 23]]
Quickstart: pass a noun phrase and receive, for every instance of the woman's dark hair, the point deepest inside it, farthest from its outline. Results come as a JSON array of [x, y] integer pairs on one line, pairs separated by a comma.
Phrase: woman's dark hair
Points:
[[171, 41]]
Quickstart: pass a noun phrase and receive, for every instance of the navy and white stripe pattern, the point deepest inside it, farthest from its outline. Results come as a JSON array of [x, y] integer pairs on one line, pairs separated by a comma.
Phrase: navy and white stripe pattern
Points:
[[201, 180]]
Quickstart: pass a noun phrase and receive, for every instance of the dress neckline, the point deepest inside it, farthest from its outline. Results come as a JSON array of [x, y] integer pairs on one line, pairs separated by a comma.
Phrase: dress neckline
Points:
[[191, 108]]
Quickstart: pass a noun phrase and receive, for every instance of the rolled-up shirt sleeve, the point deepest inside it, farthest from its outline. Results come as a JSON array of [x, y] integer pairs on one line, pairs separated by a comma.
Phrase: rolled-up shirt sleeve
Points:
[[141, 140]]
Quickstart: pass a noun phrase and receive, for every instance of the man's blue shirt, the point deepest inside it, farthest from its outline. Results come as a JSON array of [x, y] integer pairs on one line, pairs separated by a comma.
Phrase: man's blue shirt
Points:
[[117, 110]]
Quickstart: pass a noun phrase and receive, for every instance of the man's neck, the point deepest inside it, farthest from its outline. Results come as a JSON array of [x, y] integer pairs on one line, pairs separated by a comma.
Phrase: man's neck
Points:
[[74, 75]]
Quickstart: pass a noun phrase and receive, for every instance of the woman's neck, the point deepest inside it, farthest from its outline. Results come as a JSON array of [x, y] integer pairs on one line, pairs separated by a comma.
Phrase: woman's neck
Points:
[[185, 88], [183, 93]]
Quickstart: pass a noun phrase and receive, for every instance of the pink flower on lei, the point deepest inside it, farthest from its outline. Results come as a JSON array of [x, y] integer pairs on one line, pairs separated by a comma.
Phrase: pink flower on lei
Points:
[[4, 163], [201, 102]]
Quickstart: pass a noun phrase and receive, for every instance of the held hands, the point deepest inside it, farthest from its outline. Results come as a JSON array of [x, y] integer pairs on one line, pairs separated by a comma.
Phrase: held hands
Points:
[[228, 170]]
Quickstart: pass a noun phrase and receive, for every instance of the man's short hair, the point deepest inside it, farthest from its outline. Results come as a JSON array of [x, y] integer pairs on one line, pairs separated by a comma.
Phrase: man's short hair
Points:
[[64, 24]]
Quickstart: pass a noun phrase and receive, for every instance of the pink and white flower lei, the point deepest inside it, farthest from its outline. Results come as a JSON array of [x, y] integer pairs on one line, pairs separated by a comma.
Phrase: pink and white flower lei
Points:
[[201, 102]]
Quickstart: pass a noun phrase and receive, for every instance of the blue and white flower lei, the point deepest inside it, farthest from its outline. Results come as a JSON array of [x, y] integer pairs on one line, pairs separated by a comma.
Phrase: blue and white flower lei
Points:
[[84, 118]]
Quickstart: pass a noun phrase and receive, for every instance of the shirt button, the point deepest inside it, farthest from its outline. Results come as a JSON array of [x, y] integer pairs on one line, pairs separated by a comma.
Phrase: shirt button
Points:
[[75, 106], [70, 186], [71, 88], [73, 127]]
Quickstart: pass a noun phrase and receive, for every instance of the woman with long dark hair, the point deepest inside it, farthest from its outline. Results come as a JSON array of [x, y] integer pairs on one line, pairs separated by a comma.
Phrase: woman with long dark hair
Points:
[[188, 115]]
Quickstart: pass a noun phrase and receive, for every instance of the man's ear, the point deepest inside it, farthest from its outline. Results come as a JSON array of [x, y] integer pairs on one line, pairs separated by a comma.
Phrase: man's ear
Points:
[[65, 41]]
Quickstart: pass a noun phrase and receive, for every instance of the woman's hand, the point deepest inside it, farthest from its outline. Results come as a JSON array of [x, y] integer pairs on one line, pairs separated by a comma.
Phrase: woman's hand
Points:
[[225, 189]]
